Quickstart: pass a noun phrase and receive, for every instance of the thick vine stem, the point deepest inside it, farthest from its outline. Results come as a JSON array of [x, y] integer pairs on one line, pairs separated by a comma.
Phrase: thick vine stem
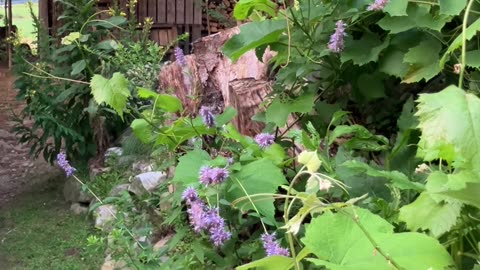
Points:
[[464, 43]]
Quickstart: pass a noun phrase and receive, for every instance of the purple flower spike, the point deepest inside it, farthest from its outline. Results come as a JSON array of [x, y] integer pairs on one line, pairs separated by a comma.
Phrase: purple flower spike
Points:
[[264, 140], [377, 5], [272, 247], [190, 195], [337, 42], [197, 215], [216, 227], [180, 57], [207, 116], [213, 176], [63, 163]]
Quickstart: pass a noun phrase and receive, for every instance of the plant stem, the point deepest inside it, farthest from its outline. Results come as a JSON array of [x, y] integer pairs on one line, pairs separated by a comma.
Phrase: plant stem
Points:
[[251, 201], [464, 43]]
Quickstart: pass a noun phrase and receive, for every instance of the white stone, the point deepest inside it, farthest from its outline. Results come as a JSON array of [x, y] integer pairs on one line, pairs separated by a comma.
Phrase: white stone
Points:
[[118, 189], [104, 216], [78, 209], [147, 182], [114, 151]]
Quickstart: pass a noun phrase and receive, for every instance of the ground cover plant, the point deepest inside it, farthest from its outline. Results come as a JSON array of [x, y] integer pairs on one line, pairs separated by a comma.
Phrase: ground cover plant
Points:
[[376, 171]]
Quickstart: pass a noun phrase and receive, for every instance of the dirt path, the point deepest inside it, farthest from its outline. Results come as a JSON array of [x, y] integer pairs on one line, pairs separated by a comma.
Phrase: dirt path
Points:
[[18, 173]]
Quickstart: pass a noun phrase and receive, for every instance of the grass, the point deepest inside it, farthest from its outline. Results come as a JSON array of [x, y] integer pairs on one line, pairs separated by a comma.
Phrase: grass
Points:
[[23, 21], [40, 232]]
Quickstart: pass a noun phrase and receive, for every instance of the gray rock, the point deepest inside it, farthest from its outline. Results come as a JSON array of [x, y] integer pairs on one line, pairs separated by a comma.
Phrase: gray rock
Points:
[[78, 209], [142, 166], [72, 191], [147, 182], [118, 189], [104, 216], [114, 151]]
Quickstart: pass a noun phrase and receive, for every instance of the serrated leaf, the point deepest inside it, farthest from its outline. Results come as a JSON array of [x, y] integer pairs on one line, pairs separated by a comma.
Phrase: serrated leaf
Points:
[[457, 43], [113, 92], [450, 126], [473, 58], [342, 245], [364, 50], [244, 8], [260, 176], [188, 168], [78, 67], [427, 214], [396, 8], [279, 110], [253, 35], [164, 102], [449, 7], [417, 16], [228, 115], [391, 63], [423, 60], [462, 186], [362, 136], [310, 160], [397, 179], [142, 130], [269, 263]]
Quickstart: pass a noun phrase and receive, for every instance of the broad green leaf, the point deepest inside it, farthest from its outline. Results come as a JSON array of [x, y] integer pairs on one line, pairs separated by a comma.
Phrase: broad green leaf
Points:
[[341, 244], [310, 160], [110, 22], [450, 126], [423, 60], [462, 186], [228, 115], [371, 86], [230, 132], [164, 102], [457, 43], [182, 130], [113, 92], [276, 153], [70, 38], [188, 168], [427, 214], [253, 35], [396, 8], [449, 7], [391, 63], [142, 130], [269, 263], [260, 176], [244, 8], [279, 110], [78, 67], [363, 139], [364, 50], [397, 179], [418, 16], [473, 59]]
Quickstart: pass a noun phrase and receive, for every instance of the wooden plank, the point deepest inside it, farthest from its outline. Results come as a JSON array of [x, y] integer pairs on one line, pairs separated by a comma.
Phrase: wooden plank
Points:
[[196, 32], [163, 37], [152, 9], [197, 13], [189, 11], [180, 19], [171, 4], [161, 11], [142, 10], [172, 34]]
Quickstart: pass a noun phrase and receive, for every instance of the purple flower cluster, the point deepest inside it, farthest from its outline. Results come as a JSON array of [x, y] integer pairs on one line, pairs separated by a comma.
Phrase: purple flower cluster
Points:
[[207, 116], [378, 5], [213, 176], [63, 163], [180, 57], [264, 140], [272, 247], [204, 218], [337, 42]]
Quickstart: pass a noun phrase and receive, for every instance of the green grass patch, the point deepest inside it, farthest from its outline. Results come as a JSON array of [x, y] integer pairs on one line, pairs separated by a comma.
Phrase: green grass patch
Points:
[[23, 21], [40, 232]]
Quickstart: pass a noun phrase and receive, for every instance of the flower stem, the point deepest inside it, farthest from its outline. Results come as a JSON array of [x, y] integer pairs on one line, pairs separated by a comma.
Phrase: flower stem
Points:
[[464, 43]]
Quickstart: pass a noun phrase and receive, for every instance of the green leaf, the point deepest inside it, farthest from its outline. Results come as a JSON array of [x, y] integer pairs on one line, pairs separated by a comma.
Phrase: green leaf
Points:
[[275, 153], [427, 214], [462, 186], [253, 35], [225, 117], [142, 130], [391, 63], [188, 168], [457, 43], [310, 160], [260, 176], [78, 67], [423, 60], [418, 16], [450, 126], [244, 8], [363, 139], [110, 22], [449, 7], [70, 38], [113, 92], [364, 50], [164, 102], [396, 8], [279, 110], [342, 245], [473, 58], [269, 263], [398, 179], [371, 86]]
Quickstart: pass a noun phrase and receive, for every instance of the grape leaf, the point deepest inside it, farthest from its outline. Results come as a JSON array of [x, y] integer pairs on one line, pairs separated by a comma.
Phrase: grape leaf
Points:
[[244, 8], [423, 60], [342, 245], [279, 110], [450, 126], [427, 214], [396, 8], [260, 176], [188, 168], [142, 130], [364, 50], [113, 92], [450, 7], [473, 58], [457, 43]]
